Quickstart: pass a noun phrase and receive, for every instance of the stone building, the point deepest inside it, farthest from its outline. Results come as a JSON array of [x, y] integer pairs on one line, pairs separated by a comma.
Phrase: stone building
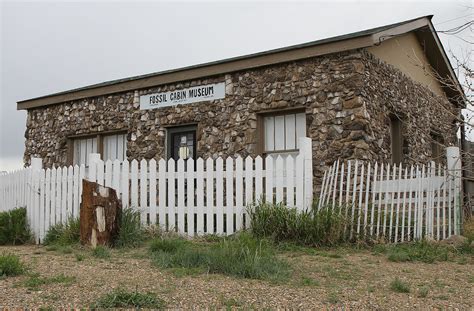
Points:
[[373, 94]]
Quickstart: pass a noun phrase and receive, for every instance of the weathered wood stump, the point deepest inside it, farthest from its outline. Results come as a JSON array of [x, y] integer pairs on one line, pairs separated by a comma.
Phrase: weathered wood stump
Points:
[[100, 214]]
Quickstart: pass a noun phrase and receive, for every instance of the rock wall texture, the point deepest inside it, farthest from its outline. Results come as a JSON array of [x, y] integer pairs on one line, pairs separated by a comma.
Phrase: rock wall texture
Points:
[[347, 98]]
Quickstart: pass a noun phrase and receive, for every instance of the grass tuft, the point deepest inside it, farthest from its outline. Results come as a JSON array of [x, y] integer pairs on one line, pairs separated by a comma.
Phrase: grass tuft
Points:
[[10, 265], [400, 286], [101, 252], [121, 298], [241, 256], [63, 234], [314, 227], [35, 280], [14, 229], [418, 251], [423, 292], [131, 234]]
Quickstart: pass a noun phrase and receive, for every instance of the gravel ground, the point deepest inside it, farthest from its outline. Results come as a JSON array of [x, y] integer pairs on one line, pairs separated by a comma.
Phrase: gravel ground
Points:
[[354, 280]]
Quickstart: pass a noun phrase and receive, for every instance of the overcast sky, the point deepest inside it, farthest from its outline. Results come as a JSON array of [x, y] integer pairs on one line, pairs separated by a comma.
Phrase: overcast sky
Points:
[[48, 47]]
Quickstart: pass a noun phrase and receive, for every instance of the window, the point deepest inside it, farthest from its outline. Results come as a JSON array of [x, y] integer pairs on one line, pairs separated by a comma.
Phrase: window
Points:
[[82, 148], [281, 131], [396, 137], [115, 147], [111, 147], [182, 142]]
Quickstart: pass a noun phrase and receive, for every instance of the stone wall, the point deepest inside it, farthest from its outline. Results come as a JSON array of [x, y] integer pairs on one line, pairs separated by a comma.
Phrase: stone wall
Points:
[[346, 96], [387, 91]]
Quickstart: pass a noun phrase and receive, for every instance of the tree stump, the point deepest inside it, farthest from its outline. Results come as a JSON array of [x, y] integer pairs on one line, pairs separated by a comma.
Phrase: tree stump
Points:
[[100, 214]]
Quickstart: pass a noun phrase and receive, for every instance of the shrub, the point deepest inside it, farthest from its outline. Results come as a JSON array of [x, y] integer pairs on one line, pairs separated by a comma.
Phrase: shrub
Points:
[[64, 234], [101, 252], [120, 298], [399, 286], [241, 255], [325, 226], [10, 265], [468, 229], [131, 234], [14, 227]]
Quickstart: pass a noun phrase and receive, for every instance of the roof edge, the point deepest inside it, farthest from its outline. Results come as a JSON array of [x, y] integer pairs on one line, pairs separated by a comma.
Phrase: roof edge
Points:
[[330, 45]]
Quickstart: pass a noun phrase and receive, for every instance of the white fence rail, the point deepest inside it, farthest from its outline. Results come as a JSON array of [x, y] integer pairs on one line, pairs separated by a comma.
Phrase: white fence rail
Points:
[[191, 197], [398, 203]]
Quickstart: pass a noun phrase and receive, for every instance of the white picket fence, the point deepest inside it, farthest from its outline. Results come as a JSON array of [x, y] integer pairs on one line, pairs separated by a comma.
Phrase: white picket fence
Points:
[[192, 197], [398, 203]]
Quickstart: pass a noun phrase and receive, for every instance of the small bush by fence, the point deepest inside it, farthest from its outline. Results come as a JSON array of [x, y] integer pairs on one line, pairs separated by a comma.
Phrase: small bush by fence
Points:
[[14, 227]]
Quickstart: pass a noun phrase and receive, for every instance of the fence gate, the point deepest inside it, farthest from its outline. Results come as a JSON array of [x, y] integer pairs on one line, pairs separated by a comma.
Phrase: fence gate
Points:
[[398, 203]]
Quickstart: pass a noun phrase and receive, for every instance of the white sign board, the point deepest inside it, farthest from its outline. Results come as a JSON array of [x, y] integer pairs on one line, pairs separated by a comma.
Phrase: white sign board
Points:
[[183, 96]]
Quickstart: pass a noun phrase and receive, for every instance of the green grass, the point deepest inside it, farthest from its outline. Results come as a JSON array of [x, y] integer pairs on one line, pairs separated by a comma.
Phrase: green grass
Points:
[[323, 227], [14, 229], [399, 286], [80, 257], [101, 252], [63, 234], [131, 233], [10, 265], [423, 291], [417, 251], [121, 298], [242, 256], [306, 281], [35, 280]]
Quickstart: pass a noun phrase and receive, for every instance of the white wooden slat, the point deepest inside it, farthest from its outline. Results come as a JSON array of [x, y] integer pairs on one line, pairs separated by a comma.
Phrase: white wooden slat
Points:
[[70, 190], [210, 196], [328, 194], [410, 194], [162, 193], [239, 192], [53, 195], [386, 202], [125, 183], [171, 196], [200, 196], [366, 203], [279, 179], [76, 195], [450, 198], [444, 203], [392, 196], [180, 196], [47, 206], [299, 193], [42, 205], [229, 186], [341, 187], [321, 193], [219, 196], [59, 173], [134, 184], [402, 232], [416, 202], [372, 212], [259, 179], [438, 207], [361, 193], [334, 190], [153, 210], [115, 182], [397, 214], [100, 172], [348, 185], [354, 194], [249, 172], [108, 173], [290, 181], [64, 195], [190, 196]]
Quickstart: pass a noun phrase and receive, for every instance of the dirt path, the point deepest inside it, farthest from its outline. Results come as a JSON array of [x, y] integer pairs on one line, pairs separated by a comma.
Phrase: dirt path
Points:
[[354, 279]]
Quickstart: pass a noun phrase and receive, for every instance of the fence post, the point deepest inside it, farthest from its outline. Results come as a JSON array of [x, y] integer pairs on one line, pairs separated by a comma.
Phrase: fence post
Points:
[[92, 172], [33, 211], [454, 171], [305, 149]]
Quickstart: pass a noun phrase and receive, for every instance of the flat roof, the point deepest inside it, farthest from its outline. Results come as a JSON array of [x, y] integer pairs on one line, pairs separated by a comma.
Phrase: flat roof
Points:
[[341, 43]]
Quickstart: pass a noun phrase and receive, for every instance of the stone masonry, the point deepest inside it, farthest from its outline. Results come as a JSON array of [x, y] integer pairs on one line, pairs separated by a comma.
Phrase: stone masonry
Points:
[[347, 97]]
